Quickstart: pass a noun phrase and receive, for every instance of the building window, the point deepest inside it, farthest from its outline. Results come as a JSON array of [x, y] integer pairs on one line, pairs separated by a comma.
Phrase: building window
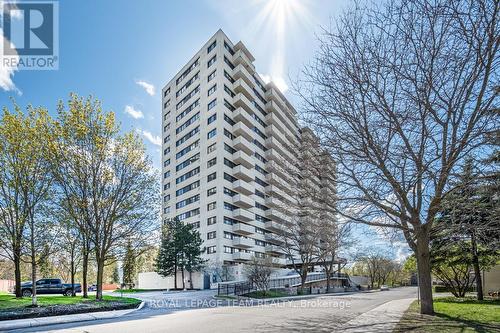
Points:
[[166, 151], [229, 63], [211, 206], [212, 118], [211, 148], [229, 105], [212, 104], [187, 71], [230, 178], [166, 104], [228, 134], [187, 110], [166, 210], [229, 163], [166, 163], [187, 123], [229, 91], [229, 77], [186, 150], [229, 192], [187, 201], [228, 48], [229, 120], [211, 220], [211, 177], [229, 149], [212, 46], [196, 224], [187, 175], [187, 162], [187, 136], [212, 133], [166, 186], [188, 214], [211, 191], [187, 188], [229, 206], [212, 162], [212, 89], [166, 92], [211, 76], [211, 61], [166, 198], [211, 249], [211, 235], [228, 220], [166, 175]]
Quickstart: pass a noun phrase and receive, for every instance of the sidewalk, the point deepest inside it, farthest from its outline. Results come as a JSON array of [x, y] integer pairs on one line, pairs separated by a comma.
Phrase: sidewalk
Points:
[[73, 318], [383, 318]]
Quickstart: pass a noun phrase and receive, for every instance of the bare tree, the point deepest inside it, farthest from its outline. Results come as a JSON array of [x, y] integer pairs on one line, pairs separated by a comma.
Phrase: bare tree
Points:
[[400, 93], [258, 271]]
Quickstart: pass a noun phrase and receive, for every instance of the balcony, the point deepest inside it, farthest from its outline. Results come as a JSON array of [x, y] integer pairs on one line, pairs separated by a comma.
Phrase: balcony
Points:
[[243, 229], [242, 256], [274, 226], [273, 143], [243, 187], [244, 173], [240, 157], [274, 249], [240, 57], [241, 72], [278, 117], [242, 200], [275, 214], [241, 143], [242, 115], [243, 243], [243, 130], [240, 87], [243, 215], [273, 238]]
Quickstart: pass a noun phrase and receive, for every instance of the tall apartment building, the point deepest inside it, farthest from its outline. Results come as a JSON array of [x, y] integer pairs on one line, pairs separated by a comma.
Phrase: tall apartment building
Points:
[[224, 130]]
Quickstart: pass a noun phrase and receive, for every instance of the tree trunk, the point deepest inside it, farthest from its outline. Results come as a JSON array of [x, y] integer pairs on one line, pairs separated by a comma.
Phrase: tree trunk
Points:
[[175, 276], [85, 265], [477, 271], [17, 273], [73, 294], [100, 274], [183, 282], [34, 302], [424, 272], [303, 278], [191, 280]]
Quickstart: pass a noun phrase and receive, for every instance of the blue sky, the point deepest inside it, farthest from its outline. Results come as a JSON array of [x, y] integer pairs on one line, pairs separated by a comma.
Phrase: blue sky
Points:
[[120, 51]]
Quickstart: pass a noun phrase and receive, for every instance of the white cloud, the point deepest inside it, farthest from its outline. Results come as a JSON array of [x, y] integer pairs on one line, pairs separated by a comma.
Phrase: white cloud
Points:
[[7, 72], [154, 139], [134, 113], [277, 80], [150, 89]]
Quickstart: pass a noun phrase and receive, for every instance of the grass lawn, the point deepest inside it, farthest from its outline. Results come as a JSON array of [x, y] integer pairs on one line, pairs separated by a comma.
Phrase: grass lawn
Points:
[[268, 294], [52, 305], [453, 315]]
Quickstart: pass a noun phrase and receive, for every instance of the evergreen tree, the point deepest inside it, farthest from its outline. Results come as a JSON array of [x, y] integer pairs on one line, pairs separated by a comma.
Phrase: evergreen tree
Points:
[[129, 265], [167, 262], [467, 229], [192, 250]]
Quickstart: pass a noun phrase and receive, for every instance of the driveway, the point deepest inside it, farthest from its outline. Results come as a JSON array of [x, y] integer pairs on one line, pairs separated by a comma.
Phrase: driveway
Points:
[[324, 313]]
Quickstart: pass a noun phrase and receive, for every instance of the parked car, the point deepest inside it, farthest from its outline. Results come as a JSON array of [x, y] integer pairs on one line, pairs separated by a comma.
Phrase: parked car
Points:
[[92, 287], [49, 286], [384, 287]]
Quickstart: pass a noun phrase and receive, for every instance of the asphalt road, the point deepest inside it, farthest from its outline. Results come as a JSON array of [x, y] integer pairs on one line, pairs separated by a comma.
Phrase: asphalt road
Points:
[[199, 312]]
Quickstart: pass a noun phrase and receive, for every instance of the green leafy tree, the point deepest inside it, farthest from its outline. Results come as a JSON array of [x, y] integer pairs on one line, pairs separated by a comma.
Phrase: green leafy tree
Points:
[[107, 182], [129, 265], [25, 183]]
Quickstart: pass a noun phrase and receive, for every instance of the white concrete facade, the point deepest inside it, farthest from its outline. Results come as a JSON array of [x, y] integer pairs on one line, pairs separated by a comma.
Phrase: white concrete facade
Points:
[[236, 128]]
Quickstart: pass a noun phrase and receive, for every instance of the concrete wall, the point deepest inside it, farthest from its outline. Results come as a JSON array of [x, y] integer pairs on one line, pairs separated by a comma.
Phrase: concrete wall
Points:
[[491, 280], [6, 285], [152, 280]]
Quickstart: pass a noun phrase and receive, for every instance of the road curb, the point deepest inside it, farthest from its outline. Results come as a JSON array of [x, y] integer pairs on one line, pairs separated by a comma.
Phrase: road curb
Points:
[[294, 298], [66, 319]]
